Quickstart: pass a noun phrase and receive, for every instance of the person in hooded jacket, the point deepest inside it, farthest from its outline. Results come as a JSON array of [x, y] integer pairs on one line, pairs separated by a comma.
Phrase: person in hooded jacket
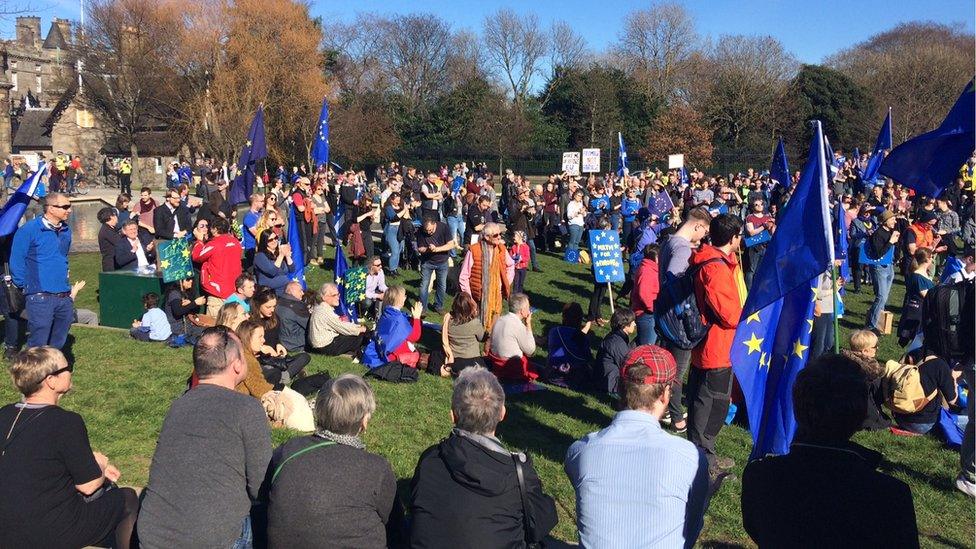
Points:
[[466, 490]]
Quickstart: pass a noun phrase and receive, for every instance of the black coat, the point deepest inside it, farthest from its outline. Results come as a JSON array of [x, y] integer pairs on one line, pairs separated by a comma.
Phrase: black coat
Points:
[[466, 495], [823, 496], [108, 238], [163, 221]]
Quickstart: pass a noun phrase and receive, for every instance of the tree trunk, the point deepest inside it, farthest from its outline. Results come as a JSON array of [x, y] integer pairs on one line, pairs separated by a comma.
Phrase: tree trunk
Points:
[[134, 158]]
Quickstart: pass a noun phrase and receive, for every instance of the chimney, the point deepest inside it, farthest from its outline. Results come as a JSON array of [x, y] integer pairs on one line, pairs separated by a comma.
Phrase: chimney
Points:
[[64, 26], [29, 31]]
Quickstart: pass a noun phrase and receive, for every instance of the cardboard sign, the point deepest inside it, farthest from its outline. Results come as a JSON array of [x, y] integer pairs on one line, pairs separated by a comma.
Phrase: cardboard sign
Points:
[[571, 163], [591, 160], [608, 263], [174, 259], [676, 161]]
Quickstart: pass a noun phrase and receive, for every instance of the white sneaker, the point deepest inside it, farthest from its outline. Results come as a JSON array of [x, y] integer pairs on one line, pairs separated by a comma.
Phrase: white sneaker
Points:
[[966, 486]]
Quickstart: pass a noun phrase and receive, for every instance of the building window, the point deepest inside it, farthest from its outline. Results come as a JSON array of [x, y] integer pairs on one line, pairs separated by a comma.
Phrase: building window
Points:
[[13, 80], [39, 86], [84, 119]]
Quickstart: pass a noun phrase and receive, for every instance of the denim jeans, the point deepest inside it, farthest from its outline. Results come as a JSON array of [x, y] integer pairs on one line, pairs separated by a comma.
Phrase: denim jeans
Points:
[[426, 268], [49, 318], [615, 221], [12, 324], [682, 359], [455, 225], [917, 428], [534, 262], [882, 277], [394, 245], [822, 340], [645, 329], [967, 453], [575, 234], [246, 541]]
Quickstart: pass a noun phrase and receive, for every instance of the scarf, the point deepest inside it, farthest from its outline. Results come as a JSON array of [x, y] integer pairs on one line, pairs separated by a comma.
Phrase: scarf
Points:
[[345, 440]]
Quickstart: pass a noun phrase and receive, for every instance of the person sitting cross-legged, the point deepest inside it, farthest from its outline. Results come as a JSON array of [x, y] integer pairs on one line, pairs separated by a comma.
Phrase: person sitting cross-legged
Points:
[[512, 342], [827, 492], [634, 469], [328, 333], [469, 490]]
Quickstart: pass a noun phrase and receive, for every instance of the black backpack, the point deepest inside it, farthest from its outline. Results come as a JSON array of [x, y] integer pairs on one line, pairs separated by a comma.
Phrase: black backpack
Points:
[[947, 320], [676, 311]]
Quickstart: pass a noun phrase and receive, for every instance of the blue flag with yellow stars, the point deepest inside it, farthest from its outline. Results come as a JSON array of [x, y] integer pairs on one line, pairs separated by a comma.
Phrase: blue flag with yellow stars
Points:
[[174, 259], [779, 169], [341, 271], [320, 149], [881, 146], [772, 340], [930, 162], [255, 148], [622, 169]]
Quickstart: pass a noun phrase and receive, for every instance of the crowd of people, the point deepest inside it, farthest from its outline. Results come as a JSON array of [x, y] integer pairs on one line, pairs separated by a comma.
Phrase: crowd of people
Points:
[[216, 481]]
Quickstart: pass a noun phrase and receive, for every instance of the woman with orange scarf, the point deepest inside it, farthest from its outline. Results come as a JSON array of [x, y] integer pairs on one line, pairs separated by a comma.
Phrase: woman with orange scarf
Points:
[[487, 273]]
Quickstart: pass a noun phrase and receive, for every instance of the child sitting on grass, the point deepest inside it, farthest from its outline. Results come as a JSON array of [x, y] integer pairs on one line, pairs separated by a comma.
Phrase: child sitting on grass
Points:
[[154, 326]]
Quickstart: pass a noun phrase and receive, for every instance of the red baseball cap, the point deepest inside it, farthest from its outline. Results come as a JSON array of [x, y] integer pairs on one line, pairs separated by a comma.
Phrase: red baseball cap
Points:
[[660, 362]]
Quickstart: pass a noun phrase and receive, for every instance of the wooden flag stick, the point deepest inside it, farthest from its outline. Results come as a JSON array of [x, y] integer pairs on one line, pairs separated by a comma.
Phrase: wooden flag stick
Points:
[[610, 290]]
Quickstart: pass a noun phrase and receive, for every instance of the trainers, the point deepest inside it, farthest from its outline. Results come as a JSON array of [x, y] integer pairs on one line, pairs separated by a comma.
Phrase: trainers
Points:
[[9, 353], [966, 486]]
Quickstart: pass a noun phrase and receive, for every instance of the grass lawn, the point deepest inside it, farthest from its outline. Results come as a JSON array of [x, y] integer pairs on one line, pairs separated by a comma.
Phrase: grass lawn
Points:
[[124, 388]]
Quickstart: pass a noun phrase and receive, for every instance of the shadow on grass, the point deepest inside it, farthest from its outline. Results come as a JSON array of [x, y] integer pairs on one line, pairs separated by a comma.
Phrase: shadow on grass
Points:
[[524, 431], [943, 483]]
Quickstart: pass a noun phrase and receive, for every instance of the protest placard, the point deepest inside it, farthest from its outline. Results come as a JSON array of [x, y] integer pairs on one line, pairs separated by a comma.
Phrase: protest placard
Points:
[[571, 163], [591, 160], [676, 161], [608, 263], [174, 260]]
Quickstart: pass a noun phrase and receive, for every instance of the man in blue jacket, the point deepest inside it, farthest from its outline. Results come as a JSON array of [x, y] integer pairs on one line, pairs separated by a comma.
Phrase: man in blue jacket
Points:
[[39, 266]]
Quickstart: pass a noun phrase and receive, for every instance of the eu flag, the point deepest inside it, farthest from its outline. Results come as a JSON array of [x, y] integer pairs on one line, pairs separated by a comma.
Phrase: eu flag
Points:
[[841, 240], [773, 337], [882, 144], [622, 158], [254, 149], [295, 243], [320, 149], [779, 170], [929, 163], [661, 204], [14, 209], [341, 266]]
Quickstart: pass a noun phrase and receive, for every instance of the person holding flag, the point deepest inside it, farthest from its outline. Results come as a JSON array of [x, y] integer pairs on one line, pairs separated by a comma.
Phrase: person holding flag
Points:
[[771, 343]]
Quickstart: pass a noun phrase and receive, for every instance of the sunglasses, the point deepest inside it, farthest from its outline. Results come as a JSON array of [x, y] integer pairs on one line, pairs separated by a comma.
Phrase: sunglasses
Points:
[[59, 371], [492, 235], [272, 239], [61, 207]]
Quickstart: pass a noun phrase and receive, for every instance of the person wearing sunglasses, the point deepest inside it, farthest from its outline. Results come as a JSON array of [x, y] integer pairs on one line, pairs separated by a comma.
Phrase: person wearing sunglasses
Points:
[[487, 273], [56, 492], [39, 267]]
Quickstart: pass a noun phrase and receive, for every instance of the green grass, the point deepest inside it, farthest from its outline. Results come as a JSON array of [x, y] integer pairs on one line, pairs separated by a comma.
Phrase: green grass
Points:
[[124, 388]]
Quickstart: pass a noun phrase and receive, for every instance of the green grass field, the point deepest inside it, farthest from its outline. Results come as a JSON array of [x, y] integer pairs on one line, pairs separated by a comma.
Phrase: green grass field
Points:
[[124, 388]]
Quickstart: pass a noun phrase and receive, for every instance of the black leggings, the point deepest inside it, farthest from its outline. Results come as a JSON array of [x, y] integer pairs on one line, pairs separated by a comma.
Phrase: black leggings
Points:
[[343, 344]]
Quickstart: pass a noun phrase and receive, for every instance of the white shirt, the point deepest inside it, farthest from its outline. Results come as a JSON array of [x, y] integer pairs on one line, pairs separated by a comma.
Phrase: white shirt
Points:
[[573, 210], [141, 259], [176, 220]]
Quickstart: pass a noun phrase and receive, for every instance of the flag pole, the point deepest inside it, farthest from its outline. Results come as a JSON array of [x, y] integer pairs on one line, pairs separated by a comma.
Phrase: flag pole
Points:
[[833, 279], [610, 290]]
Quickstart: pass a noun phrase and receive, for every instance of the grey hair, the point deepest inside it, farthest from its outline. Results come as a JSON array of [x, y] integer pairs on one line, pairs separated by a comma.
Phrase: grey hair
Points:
[[49, 198], [517, 302], [343, 403], [477, 401], [327, 286], [490, 227]]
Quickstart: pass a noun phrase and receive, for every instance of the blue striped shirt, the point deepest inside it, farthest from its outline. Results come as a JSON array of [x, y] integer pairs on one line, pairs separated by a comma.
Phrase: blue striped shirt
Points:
[[637, 486]]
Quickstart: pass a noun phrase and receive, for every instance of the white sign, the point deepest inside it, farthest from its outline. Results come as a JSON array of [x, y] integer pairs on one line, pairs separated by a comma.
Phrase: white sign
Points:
[[571, 163], [591, 160], [676, 161]]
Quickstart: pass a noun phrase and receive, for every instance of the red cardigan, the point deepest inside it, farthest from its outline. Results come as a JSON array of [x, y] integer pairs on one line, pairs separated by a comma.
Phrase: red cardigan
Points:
[[646, 287]]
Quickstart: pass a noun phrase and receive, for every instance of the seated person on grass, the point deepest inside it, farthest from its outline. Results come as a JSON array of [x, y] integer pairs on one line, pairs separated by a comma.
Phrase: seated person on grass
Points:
[[512, 342], [327, 332], [938, 383], [244, 291], [181, 302], [277, 364], [396, 332], [613, 351], [568, 363], [294, 315], [154, 325]]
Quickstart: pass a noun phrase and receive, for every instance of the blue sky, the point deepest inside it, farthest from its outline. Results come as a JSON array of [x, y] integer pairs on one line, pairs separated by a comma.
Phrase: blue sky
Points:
[[811, 29]]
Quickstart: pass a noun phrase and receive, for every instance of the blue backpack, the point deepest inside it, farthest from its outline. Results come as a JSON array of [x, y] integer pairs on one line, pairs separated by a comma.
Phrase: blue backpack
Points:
[[676, 312]]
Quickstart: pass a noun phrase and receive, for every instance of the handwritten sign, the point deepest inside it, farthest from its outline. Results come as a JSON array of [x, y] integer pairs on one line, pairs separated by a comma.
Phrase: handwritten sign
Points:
[[608, 263], [571, 163], [591, 160], [174, 259], [676, 161]]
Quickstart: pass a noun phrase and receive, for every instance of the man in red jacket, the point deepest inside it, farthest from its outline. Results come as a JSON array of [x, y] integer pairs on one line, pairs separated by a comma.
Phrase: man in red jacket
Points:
[[221, 259], [720, 292]]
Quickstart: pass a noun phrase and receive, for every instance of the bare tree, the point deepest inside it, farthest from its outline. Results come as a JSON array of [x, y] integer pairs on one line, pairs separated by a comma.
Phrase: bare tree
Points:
[[127, 82], [655, 46], [917, 69], [465, 60], [414, 51], [353, 57], [514, 47], [746, 79], [567, 47]]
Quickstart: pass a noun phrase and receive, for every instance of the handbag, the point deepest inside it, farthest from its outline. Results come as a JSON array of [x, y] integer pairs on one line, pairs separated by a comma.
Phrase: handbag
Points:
[[12, 297]]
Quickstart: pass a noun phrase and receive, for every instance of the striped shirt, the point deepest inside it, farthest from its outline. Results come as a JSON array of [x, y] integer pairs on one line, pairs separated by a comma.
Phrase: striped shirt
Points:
[[637, 486]]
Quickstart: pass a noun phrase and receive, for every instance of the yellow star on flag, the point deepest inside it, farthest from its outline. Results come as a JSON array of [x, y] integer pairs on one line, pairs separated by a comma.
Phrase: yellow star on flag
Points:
[[754, 344], [763, 361], [798, 348], [753, 316], [186, 252], [810, 322], [814, 290], [164, 264]]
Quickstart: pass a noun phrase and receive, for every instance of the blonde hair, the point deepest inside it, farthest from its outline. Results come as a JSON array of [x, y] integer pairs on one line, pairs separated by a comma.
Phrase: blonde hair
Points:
[[343, 403], [861, 340], [231, 315], [33, 365], [394, 293]]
